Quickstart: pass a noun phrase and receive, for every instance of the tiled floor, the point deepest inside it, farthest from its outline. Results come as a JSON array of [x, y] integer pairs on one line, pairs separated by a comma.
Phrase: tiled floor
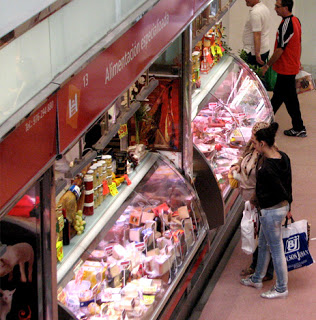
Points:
[[228, 299]]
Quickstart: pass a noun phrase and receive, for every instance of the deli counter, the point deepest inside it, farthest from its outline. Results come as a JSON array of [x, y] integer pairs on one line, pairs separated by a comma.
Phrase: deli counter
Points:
[[135, 248], [229, 101]]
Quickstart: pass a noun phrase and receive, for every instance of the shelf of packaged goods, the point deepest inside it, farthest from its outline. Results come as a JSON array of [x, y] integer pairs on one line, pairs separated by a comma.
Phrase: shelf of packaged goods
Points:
[[212, 21], [126, 114], [101, 217], [202, 95]]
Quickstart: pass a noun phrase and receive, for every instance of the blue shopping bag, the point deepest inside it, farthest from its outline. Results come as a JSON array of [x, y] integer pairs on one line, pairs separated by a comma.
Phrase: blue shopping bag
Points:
[[296, 245]]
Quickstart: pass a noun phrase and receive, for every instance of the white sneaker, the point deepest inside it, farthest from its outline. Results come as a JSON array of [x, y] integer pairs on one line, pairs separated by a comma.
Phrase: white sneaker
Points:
[[273, 294], [249, 283]]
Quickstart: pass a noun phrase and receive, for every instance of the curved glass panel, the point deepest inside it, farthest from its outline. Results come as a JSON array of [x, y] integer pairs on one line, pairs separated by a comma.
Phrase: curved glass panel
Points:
[[135, 264], [230, 101]]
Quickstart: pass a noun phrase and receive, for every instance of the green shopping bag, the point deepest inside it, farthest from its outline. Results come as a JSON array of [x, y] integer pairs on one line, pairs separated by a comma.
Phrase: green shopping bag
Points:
[[270, 78]]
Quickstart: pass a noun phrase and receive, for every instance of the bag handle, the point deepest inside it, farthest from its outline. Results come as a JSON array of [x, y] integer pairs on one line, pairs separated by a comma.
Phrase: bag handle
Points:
[[287, 220], [248, 206]]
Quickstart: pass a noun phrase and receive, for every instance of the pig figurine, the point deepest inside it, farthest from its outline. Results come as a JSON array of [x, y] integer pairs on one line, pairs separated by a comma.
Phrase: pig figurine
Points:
[[5, 303], [19, 253]]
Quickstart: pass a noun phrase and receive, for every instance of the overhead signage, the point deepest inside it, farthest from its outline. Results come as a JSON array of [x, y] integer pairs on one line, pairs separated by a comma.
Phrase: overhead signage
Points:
[[27, 150]]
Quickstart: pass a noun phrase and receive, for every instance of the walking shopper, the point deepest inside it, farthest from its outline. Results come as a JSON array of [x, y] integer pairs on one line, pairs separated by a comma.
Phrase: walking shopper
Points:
[[256, 33], [286, 62], [246, 167], [273, 197]]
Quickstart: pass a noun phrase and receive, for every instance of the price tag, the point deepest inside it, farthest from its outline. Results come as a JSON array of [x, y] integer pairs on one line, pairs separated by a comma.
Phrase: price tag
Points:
[[78, 266], [128, 181], [113, 189], [109, 250], [123, 315], [212, 105], [60, 224], [125, 264], [105, 188], [122, 131], [146, 241], [140, 246], [163, 208], [209, 59], [60, 252]]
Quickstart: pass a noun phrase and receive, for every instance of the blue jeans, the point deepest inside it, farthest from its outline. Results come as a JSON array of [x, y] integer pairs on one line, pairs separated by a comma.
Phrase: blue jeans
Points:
[[271, 245]]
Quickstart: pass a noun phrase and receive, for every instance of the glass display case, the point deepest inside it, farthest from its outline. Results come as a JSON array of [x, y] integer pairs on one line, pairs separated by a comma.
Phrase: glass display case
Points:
[[230, 100], [135, 248]]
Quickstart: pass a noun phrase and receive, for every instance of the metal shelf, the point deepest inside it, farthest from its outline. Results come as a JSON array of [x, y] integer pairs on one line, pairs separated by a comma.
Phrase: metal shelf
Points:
[[60, 184], [81, 163]]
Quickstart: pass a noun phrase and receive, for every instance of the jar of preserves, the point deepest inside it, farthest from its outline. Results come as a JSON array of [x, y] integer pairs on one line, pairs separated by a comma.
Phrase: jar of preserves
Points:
[[93, 172], [88, 182], [88, 209]]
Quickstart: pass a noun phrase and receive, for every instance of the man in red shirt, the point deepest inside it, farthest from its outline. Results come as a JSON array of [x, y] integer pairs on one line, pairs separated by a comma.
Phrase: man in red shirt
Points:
[[286, 62]]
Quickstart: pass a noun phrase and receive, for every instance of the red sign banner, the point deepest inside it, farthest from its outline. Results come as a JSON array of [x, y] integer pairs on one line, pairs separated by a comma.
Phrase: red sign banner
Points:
[[27, 150], [88, 94]]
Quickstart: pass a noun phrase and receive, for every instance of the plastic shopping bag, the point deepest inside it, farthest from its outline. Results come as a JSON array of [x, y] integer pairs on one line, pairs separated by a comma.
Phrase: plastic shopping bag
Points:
[[295, 242], [270, 78], [304, 82], [248, 229]]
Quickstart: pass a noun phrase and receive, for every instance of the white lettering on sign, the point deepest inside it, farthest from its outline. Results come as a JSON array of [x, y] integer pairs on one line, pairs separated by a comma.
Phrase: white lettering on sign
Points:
[[38, 116], [85, 80], [73, 106], [113, 68]]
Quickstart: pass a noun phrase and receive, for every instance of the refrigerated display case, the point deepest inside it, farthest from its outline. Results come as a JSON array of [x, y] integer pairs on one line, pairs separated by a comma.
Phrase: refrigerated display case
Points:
[[136, 248], [231, 99]]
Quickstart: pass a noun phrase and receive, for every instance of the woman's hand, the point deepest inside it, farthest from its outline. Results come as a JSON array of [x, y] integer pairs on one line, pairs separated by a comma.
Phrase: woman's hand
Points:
[[235, 167], [289, 215]]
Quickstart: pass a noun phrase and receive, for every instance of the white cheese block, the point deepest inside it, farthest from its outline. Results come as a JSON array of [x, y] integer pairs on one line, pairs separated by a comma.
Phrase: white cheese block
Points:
[[119, 252], [135, 234], [183, 212]]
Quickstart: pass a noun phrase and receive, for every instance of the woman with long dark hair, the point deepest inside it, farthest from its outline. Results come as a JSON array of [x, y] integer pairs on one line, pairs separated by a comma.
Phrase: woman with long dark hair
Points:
[[273, 198]]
